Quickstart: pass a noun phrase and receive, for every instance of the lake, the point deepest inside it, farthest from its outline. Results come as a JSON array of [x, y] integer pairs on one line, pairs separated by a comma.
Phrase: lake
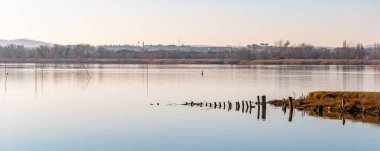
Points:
[[62, 108]]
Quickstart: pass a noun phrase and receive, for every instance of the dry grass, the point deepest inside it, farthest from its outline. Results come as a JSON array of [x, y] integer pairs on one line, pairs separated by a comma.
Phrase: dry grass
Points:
[[352, 98]]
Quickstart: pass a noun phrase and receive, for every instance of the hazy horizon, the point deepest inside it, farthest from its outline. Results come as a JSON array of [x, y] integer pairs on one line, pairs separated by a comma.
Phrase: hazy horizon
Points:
[[196, 22]]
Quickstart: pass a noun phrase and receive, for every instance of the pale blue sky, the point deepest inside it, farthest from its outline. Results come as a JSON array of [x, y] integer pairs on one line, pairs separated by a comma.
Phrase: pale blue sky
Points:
[[212, 22]]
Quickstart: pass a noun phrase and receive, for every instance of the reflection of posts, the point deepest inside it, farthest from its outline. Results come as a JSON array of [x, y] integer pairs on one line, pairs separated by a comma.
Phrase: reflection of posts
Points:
[[237, 106], [284, 109], [320, 110], [264, 112], [258, 111], [291, 107], [291, 114], [264, 103], [344, 119]]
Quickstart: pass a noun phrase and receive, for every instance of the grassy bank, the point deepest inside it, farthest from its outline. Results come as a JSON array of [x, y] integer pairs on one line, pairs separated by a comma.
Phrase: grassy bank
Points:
[[354, 102], [202, 61]]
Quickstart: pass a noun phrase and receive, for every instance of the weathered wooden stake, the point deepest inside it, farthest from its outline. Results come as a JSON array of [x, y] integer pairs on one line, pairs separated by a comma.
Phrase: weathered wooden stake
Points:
[[264, 100], [258, 100], [291, 103], [343, 106]]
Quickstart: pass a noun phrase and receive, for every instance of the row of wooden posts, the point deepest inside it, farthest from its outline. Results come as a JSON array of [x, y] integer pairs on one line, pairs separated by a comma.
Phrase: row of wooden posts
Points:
[[229, 104], [245, 106]]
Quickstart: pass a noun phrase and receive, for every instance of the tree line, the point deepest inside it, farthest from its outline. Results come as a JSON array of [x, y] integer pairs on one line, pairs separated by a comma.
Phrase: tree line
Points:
[[280, 50]]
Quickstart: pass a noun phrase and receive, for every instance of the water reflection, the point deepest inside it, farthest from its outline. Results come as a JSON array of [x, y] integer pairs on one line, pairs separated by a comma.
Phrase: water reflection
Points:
[[361, 118], [111, 111], [244, 108]]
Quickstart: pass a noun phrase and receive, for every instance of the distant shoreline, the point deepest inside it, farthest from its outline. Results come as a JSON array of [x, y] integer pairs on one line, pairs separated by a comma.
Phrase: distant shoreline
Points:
[[200, 61]]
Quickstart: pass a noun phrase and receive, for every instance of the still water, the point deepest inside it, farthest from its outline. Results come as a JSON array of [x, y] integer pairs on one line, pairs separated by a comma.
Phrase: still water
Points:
[[61, 108]]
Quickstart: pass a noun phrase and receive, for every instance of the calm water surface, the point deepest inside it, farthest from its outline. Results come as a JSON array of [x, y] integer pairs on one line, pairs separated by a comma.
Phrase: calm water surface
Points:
[[62, 109]]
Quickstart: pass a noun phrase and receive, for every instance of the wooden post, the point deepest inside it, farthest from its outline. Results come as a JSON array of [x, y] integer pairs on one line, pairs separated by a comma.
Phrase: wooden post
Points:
[[224, 105], [192, 103], [220, 105], [264, 100], [250, 104], [242, 104], [201, 104], [291, 103], [246, 103], [343, 106], [258, 100]]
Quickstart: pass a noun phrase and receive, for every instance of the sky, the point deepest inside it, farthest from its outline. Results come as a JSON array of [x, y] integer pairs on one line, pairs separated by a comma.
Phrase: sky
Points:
[[191, 22]]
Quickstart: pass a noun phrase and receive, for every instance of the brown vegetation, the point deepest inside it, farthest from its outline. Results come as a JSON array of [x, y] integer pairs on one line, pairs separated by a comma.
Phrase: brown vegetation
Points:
[[355, 102], [357, 106]]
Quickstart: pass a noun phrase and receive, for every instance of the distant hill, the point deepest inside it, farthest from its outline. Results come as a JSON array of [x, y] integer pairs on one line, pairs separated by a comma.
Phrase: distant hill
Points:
[[25, 42]]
